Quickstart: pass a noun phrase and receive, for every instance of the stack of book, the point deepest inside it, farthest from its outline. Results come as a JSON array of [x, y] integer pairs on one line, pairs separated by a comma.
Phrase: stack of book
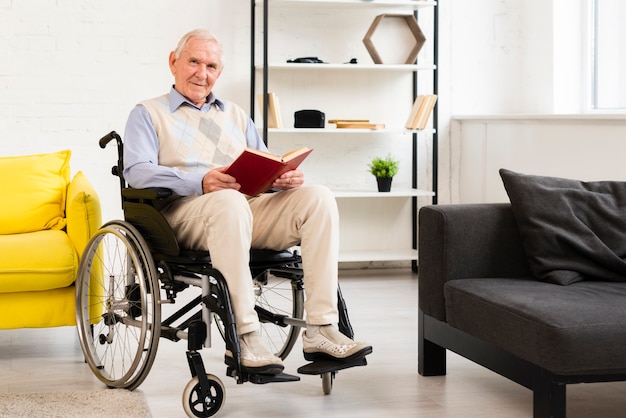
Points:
[[274, 119], [356, 124], [420, 113]]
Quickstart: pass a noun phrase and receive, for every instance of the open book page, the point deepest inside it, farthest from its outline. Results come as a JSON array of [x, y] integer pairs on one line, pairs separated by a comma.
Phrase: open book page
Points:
[[290, 155]]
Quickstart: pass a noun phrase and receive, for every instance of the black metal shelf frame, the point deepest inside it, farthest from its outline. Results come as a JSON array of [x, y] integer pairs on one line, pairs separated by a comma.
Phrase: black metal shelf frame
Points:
[[435, 114]]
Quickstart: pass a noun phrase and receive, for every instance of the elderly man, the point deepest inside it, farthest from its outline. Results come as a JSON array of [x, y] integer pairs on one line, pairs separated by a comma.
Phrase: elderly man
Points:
[[184, 140]]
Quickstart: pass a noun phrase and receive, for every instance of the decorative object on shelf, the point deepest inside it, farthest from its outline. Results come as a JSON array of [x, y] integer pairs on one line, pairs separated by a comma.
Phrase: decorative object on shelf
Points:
[[356, 124], [306, 60], [308, 118], [384, 169], [274, 119], [414, 28], [420, 112]]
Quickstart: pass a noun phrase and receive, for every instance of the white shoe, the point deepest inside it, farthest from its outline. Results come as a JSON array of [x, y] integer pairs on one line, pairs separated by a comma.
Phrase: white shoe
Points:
[[329, 343], [255, 357]]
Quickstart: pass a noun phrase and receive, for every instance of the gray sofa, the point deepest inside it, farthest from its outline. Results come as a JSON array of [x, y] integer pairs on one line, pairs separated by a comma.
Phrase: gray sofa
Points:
[[479, 297]]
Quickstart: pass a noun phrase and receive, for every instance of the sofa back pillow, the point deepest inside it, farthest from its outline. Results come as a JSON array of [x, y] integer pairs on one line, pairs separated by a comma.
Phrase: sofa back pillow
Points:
[[571, 230], [35, 192], [82, 211]]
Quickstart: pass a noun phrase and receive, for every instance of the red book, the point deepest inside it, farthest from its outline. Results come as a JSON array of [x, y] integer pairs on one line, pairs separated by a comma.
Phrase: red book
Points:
[[256, 170]]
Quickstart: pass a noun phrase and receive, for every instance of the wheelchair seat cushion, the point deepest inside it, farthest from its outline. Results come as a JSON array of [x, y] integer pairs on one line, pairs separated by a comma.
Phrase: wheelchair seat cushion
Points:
[[34, 261], [258, 257], [36, 191]]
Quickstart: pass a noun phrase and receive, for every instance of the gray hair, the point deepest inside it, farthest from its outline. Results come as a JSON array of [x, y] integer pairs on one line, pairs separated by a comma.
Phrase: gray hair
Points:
[[203, 34]]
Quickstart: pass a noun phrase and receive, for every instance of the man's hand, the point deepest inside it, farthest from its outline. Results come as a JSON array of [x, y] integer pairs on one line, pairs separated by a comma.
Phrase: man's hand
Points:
[[216, 180], [290, 180]]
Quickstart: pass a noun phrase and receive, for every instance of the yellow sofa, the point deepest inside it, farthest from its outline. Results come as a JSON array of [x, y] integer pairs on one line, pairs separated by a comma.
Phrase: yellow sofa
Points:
[[45, 222]]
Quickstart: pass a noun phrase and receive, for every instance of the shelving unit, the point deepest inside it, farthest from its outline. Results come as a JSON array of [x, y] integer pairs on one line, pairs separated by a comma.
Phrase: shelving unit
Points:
[[341, 91], [402, 4]]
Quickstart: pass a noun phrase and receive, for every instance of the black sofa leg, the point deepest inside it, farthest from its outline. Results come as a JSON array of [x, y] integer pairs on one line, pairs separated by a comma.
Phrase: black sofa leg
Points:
[[431, 358], [549, 398]]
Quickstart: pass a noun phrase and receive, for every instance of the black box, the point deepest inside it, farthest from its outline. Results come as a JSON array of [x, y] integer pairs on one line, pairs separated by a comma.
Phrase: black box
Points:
[[309, 119]]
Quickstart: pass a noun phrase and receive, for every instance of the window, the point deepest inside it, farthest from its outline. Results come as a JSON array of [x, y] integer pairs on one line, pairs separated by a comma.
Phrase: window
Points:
[[609, 55]]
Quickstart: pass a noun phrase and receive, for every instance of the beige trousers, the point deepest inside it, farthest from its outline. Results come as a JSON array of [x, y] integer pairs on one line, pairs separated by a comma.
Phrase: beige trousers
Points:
[[228, 224]]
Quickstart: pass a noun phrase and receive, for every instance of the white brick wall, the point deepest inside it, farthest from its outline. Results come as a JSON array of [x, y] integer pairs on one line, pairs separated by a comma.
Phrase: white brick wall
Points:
[[71, 70]]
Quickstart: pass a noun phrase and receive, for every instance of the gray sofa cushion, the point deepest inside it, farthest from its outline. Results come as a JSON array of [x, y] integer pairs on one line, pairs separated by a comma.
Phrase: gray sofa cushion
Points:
[[571, 230], [576, 329]]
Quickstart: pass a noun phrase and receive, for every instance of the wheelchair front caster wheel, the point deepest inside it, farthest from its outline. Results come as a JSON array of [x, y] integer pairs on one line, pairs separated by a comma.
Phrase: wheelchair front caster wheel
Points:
[[327, 382], [197, 406]]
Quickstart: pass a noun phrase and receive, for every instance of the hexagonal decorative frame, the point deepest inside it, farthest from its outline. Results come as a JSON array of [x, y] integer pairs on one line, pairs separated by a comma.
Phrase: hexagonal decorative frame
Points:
[[418, 35]]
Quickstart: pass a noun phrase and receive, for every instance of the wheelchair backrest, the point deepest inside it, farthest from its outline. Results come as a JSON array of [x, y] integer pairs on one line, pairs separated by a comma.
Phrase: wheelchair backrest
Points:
[[141, 207]]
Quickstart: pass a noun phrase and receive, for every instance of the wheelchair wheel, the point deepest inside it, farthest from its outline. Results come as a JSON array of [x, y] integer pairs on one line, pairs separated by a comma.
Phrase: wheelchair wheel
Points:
[[118, 313], [195, 406], [280, 296]]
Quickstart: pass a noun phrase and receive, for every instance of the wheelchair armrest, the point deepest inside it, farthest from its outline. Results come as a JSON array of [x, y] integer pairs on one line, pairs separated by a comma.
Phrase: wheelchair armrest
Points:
[[142, 210], [151, 193]]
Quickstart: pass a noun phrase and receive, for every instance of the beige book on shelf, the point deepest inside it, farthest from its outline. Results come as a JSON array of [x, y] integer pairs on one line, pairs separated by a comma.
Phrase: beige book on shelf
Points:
[[356, 124], [359, 125], [419, 100], [274, 119], [334, 121], [421, 111]]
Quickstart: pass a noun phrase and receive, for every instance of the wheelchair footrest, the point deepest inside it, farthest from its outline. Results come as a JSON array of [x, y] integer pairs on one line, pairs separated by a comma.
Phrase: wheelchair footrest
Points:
[[327, 366], [261, 379]]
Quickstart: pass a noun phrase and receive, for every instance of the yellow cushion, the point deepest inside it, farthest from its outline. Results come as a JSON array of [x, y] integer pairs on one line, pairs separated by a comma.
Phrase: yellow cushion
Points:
[[40, 260], [83, 212], [34, 187], [53, 308]]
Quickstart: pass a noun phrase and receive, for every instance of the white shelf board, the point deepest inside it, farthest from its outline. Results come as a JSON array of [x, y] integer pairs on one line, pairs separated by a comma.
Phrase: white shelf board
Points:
[[377, 255], [331, 131], [347, 67], [373, 193], [403, 4]]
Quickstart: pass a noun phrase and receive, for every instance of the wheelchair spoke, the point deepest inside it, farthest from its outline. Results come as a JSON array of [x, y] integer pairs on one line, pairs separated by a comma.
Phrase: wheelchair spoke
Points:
[[280, 296]]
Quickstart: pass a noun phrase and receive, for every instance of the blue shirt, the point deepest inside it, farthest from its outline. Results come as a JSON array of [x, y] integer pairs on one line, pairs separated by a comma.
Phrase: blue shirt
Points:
[[141, 150]]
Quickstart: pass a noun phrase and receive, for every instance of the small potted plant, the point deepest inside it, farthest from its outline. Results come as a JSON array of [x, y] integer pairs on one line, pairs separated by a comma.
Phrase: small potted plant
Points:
[[384, 169]]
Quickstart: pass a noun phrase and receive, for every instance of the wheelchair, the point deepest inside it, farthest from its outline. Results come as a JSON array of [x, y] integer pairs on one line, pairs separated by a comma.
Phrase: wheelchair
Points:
[[131, 267]]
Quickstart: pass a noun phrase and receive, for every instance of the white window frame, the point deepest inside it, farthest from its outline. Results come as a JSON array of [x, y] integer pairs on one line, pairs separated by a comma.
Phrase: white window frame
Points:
[[607, 58]]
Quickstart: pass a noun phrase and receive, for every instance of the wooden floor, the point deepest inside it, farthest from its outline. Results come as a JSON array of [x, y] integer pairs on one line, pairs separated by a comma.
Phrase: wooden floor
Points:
[[383, 310]]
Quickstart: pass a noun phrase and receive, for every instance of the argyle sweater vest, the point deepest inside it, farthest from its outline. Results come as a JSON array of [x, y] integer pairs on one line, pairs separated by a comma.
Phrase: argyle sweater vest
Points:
[[196, 141]]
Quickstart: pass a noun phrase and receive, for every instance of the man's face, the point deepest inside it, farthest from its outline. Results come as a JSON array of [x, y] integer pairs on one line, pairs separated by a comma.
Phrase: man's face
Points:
[[197, 69]]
